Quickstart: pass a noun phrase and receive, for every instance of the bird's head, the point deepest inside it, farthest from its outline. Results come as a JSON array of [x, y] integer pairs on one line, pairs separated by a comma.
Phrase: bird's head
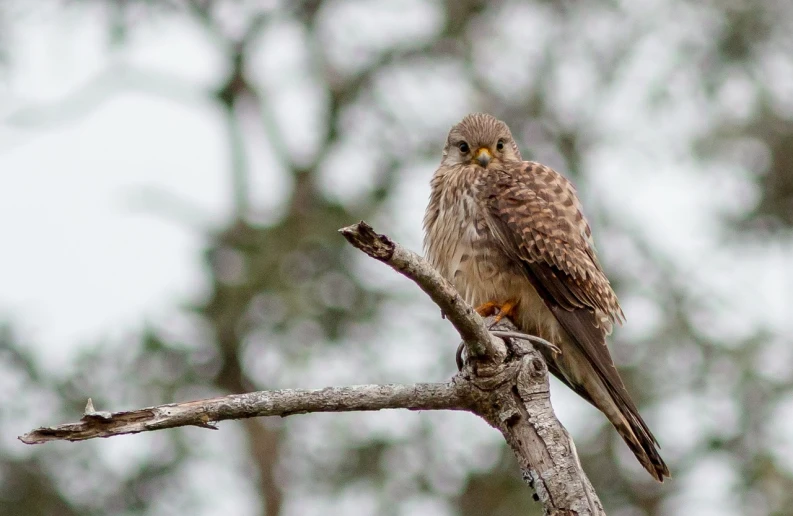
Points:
[[480, 139]]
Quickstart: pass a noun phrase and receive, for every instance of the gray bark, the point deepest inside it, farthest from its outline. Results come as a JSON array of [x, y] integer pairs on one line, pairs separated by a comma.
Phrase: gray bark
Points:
[[205, 413], [504, 381]]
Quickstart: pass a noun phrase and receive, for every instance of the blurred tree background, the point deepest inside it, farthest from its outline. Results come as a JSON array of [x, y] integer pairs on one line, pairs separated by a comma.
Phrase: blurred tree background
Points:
[[674, 118]]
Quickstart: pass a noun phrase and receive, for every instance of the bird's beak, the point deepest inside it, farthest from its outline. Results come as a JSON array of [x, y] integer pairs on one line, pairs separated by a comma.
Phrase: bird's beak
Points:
[[483, 156]]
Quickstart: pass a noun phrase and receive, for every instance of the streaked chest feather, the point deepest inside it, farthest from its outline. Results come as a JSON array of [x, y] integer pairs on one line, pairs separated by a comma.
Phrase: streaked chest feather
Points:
[[462, 248], [460, 245]]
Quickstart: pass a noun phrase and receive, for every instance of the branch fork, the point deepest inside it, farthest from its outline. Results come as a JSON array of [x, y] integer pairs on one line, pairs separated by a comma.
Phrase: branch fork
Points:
[[504, 381]]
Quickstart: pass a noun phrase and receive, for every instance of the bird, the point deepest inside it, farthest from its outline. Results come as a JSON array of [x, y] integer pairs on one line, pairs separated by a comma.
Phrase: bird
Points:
[[511, 236]]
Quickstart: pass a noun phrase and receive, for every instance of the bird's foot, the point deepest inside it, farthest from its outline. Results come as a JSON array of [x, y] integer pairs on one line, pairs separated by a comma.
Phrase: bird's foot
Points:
[[487, 309], [500, 310], [537, 341], [508, 309], [531, 338]]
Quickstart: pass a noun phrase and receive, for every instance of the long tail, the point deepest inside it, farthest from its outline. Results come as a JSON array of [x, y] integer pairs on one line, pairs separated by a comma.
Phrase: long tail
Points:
[[637, 436], [580, 376]]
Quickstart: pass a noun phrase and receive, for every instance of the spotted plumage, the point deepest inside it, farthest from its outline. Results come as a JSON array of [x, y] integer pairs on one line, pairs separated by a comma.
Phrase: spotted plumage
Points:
[[509, 232]]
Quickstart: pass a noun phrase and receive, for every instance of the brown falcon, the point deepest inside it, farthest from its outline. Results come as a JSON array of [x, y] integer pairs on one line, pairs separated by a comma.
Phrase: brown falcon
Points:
[[511, 237]]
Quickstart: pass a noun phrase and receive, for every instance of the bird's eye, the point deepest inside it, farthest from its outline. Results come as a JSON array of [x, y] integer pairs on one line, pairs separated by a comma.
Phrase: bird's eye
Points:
[[463, 147], [500, 145]]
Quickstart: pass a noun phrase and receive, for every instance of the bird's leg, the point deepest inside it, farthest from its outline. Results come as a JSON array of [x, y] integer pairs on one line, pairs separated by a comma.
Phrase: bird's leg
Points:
[[500, 310], [506, 310], [487, 309]]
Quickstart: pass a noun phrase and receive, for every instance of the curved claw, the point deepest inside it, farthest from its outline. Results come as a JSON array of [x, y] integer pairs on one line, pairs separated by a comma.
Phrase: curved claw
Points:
[[531, 338], [458, 357], [505, 310]]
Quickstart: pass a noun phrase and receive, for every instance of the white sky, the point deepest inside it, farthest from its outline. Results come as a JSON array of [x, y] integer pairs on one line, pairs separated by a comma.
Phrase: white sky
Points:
[[83, 255]]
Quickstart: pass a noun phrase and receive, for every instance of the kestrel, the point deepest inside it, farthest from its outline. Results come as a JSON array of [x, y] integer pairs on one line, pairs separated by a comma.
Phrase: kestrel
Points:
[[511, 236]]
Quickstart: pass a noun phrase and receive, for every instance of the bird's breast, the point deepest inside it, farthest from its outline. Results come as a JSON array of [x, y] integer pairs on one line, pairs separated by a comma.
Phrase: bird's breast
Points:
[[460, 245], [462, 248]]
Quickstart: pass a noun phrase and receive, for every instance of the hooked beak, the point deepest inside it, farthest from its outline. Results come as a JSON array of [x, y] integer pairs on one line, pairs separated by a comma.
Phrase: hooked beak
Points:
[[483, 156]]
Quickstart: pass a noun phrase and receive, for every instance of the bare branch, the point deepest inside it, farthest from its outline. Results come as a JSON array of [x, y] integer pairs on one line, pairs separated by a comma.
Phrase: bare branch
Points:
[[203, 413], [468, 323], [512, 392], [505, 383], [518, 404]]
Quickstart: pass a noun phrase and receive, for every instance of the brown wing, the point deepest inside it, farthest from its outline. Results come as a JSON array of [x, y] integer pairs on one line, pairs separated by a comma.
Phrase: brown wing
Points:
[[535, 215]]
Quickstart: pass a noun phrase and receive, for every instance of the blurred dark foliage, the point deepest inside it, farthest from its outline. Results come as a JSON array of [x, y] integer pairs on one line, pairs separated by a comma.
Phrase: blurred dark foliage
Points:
[[294, 259]]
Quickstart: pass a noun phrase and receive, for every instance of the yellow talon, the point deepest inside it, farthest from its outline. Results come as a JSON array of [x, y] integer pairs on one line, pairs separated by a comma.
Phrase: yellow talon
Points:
[[487, 309], [503, 310]]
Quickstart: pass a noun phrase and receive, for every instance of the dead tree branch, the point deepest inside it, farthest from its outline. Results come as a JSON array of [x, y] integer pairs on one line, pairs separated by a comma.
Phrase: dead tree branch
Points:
[[205, 413], [512, 390], [468, 323], [504, 382]]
